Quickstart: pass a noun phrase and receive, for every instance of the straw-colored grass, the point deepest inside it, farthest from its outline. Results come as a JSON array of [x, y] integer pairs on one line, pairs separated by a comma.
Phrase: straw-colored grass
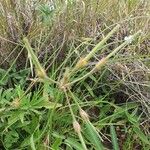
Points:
[[74, 74]]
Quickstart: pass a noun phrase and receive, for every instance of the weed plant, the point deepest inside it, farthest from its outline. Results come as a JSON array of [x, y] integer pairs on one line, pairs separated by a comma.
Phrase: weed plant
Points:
[[74, 75]]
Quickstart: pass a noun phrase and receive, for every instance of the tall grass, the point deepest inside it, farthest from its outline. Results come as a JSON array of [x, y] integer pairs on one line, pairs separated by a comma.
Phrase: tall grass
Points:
[[74, 74]]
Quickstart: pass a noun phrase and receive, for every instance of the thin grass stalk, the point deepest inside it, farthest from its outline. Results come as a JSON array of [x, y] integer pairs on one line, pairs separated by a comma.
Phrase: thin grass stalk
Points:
[[83, 61], [39, 69], [96, 139], [104, 60], [101, 43], [76, 125]]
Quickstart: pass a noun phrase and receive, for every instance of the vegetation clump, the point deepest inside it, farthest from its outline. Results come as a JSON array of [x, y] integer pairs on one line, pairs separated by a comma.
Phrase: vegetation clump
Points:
[[74, 74]]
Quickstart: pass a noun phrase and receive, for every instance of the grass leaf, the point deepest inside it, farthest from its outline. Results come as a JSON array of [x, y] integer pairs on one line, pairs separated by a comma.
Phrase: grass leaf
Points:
[[32, 143], [141, 135], [74, 143], [93, 135], [114, 138]]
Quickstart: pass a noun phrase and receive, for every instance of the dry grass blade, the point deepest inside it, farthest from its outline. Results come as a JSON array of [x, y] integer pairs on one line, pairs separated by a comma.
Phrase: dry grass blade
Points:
[[39, 69]]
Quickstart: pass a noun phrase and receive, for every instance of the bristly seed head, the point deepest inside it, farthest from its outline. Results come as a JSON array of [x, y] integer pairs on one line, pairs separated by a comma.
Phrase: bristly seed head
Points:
[[65, 80], [76, 127], [16, 103], [81, 63], [84, 115], [101, 63], [41, 73]]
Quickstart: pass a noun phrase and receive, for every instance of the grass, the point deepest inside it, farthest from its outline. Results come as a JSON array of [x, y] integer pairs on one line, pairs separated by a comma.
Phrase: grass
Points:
[[74, 75]]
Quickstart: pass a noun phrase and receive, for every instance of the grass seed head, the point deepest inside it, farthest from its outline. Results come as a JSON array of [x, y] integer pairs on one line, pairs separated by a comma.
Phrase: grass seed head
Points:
[[101, 63], [41, 73], [84, 115], [76, 127], [65, 80], [16, 103], [81, 63]]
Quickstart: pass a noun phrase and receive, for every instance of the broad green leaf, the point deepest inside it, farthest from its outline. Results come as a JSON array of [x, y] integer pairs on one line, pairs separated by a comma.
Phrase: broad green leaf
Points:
[[57, 135], [3, 77], [11, 138], [14, 118], [46, 104], [57, 143], [74, 143], [93, 136]]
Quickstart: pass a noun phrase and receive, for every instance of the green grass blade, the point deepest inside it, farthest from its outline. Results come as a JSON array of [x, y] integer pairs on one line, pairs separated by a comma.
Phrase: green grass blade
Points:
[[74, 143], [32, 143], [141, 135], [114, 138], [101, 43], [93, 135], [32, 54]]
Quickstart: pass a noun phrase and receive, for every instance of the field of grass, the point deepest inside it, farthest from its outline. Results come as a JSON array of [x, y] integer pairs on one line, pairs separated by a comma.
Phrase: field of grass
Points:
[[75, 75]]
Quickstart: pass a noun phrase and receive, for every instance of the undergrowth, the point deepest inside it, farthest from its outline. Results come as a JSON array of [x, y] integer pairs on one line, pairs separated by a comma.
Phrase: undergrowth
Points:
[[74, 75]]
